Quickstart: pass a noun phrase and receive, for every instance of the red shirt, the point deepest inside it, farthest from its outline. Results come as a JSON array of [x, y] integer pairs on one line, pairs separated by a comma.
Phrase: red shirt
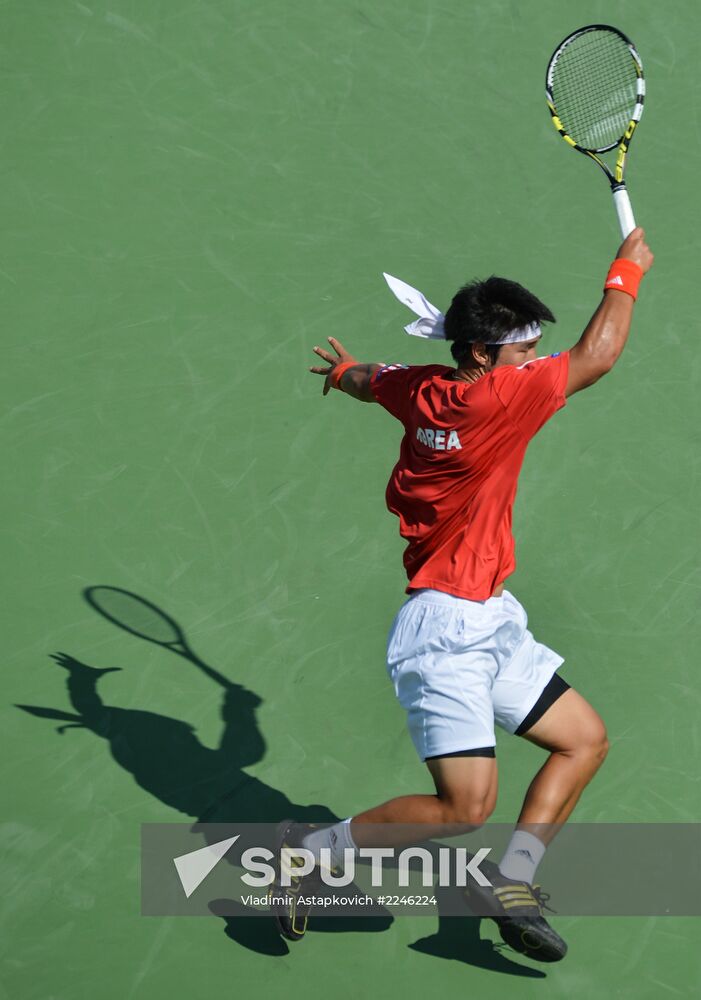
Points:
[[454, 485]]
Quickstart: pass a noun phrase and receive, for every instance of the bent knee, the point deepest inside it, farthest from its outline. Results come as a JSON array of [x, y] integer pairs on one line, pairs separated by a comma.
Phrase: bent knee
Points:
[[468, 813], [593, 744], [602, 748]]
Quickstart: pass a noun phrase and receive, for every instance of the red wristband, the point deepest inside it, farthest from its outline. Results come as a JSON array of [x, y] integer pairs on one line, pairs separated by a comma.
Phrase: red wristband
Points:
[[624, 276], [337, 373]]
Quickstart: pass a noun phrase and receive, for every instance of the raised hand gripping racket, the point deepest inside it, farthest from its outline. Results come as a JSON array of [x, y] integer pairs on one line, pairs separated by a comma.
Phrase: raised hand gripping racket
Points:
[[595, 90]]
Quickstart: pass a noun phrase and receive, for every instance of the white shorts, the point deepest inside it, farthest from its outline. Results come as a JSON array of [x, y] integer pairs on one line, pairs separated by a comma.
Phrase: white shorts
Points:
[[459, 666]]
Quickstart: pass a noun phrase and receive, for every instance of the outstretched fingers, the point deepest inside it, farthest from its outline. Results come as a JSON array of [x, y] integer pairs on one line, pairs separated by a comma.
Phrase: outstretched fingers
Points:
[[341, 356], [341, 353]]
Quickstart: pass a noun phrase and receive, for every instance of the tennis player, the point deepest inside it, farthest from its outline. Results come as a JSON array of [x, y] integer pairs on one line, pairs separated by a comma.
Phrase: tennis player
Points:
[[460, 655]]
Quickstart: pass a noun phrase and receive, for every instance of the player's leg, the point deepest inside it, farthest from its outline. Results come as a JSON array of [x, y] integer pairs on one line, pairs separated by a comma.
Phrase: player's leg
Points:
[[565, 724], [442, 675], [465, 797], [575, 736], [466, 791], [525, 692], [534, 702], [445, 687]]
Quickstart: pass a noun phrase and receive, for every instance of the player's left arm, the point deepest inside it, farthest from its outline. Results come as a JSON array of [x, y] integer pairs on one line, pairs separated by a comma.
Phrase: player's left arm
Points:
[[345, 373]]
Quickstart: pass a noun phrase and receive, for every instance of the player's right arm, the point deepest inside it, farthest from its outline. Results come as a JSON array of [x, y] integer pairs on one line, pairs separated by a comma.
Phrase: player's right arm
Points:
[[604, 338]]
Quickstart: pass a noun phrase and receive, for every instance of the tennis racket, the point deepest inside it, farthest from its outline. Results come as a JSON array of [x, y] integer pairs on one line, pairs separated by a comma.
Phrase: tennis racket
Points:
[[595, 90]]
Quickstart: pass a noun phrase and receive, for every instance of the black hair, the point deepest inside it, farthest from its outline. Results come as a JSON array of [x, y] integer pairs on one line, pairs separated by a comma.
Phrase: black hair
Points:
[[486, 310]]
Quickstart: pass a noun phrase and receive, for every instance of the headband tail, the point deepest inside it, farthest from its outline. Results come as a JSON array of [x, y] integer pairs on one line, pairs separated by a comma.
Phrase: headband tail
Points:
[[429, 325]]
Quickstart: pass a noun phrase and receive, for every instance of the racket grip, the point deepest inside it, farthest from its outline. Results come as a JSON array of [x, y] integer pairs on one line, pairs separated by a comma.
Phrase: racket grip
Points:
[[626, 220]]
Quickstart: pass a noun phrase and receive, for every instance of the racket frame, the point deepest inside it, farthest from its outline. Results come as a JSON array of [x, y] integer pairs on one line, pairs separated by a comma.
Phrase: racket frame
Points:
[[177, 645], [618, 188]]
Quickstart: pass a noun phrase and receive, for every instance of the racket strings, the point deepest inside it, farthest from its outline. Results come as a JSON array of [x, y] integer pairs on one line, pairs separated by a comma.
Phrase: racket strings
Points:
[[134, 614], [594, 87]]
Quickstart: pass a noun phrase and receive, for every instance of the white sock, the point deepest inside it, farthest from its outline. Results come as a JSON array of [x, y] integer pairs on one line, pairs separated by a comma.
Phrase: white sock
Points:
[[522, 856], [336, 838]]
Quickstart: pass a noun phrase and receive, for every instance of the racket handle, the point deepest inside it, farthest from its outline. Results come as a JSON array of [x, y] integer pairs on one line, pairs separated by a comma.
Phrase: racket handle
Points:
[[624, 211]]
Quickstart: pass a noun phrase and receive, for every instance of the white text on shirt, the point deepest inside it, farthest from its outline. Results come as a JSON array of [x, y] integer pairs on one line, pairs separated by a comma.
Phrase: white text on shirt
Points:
[[437, 439]]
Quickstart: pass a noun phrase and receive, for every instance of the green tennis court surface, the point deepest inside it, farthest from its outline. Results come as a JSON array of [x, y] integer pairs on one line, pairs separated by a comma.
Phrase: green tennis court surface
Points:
[[194, 194]]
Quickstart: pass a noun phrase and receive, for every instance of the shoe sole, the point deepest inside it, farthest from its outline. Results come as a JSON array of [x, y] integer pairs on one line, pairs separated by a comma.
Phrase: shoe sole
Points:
[[523, 941]]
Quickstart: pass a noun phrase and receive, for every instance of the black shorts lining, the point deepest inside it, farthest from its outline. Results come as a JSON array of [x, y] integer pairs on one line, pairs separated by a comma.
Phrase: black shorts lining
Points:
[[475, 752], [555, 687]]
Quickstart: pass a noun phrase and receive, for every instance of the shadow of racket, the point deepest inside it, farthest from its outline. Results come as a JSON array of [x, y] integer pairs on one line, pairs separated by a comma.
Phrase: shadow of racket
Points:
[[145, 620]]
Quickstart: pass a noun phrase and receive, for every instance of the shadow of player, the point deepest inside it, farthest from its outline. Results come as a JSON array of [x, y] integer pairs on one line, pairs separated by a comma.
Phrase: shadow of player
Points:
[[167, 760]]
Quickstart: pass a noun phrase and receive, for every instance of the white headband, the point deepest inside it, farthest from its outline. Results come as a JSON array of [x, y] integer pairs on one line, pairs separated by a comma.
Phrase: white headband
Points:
[[430, 324]]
